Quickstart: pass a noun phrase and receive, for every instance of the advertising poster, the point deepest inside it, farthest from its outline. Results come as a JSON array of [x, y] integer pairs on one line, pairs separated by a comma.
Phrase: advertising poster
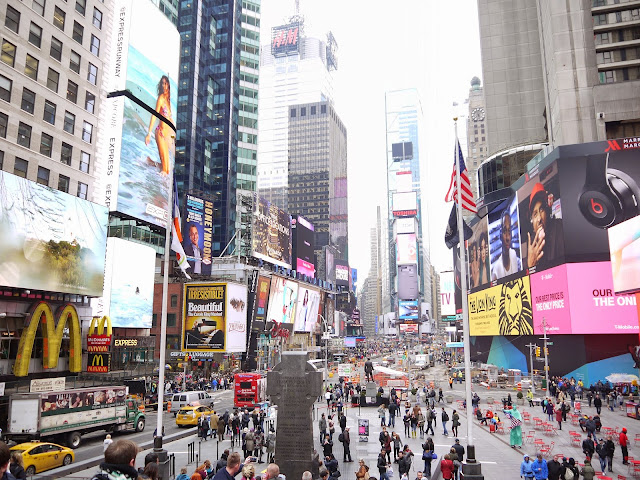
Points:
[[330, 265], [282, 302], [50, 240], [447, 301], [197, 233], [541, 219], [141, 147], [550, 293], [425, 312], [409, 328], [407, 249], [204, 324], [502, 310], [271, 233], [65, 402], [307, 309], [303, 246], [405, 225], [625, 255], [408, 310], [405, 204], [329, 315], [236, 319], [128, 283], [262, 298], [504, 240], [342, 273], [478, 255]]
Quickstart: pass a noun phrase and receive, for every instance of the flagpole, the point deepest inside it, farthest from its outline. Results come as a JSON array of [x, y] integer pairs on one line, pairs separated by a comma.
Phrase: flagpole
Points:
[[465, 307]]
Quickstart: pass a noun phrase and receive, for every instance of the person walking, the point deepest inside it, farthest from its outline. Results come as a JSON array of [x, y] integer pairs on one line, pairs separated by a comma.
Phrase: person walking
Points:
[[624, 446], [397, 446], [597, 402], [446, 467], [601, 450], [445, 418], [455, 423], [107, 441], [382, 413], [540, 469], [322, 426], [421, 424], [559, 416], [610, 447], [587, 472], [431, 416], [526, 468], [428, 450], [588, 446], [346, 445], [382, 465]]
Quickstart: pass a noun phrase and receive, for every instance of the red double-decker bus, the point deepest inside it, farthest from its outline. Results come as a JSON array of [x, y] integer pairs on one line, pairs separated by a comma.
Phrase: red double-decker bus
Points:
[[249, 390]]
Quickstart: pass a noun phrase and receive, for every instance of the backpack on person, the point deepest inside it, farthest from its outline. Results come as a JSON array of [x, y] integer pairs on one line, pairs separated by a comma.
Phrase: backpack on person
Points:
[[366, 473], [341, 437], [569, 474], [445, 417]]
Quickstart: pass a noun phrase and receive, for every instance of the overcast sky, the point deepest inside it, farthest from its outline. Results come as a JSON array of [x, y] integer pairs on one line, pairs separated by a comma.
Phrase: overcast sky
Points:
[[429, 45]]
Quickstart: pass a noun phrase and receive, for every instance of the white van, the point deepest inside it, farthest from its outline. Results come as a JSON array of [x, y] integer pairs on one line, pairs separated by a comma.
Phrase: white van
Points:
[[182, 399]]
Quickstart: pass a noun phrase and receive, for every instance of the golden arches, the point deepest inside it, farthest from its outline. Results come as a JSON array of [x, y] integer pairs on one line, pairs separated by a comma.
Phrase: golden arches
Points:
[[52, 333], [100, 322]]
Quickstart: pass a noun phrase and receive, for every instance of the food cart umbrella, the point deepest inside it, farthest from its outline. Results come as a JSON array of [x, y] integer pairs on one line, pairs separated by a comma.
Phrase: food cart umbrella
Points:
[[622, 378]]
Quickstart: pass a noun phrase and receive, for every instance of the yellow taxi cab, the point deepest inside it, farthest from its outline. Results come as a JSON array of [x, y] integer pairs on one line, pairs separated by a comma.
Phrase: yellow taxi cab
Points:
[[189, 415], [41, 456]]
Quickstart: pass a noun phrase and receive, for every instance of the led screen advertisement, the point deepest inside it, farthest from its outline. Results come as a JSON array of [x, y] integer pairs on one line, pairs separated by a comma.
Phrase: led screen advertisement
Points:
[[197, 232], [343, 273], [128, 283], [50, 240], [625, 255], [406, 249], [262, 298], [215, 317], [303, 246], [405, 225], [478, 256], [408, 288], [405, 204], [271, 233], [408, 310], [306, 309], [282, 301], [140, 147], [447, 301], [504, 240]]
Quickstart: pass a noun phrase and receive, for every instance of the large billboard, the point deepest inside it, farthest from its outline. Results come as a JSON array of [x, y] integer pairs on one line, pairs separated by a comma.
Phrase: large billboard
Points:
[[282, 301], [306, 309], [405, 204], [408, 310], [303, 246], [271, 233], [128, 283], [215, 317], [50, 240], [447, 301], [197, 231], [343, 274], [140, 148], [406, 249], [625, 255], [502, 310], [285, 40], [408, 285], [262, 298], [504, 240]]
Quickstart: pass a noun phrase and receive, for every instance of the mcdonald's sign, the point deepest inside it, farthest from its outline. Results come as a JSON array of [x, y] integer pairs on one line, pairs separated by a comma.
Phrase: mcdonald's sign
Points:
[[99, 342], [52, 332], [98, 362]]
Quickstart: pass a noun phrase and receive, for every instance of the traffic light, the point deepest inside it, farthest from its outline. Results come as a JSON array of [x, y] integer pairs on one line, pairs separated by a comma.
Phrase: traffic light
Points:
[[537, 351], [546, 350]]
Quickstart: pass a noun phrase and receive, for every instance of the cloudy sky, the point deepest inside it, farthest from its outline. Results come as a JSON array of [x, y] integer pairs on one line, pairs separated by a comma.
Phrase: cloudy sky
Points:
[[429, 45]]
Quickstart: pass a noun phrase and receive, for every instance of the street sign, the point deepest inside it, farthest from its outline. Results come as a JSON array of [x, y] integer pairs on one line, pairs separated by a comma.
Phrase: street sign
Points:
[[549, 343]]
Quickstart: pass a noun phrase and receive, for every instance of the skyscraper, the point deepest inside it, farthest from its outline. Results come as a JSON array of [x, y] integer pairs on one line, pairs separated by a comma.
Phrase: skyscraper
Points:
[[217, 122], [476, 133]]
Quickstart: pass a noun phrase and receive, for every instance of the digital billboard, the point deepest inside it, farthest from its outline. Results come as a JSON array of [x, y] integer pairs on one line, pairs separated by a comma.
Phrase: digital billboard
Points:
[[343, 273], [285, 40], [306, 309], [447, 301], [625, 255], [50, 240], [406, 249], [405, 204], [140, 148], [408, 310], [197, 231], [478, 255], [128, 283], [502, 310], [282, 301], [215, 317], [262, 298], [409, 328], [405, 225], [271, 233], [408, 288], [303, 246], [404, 181], [504, 240]]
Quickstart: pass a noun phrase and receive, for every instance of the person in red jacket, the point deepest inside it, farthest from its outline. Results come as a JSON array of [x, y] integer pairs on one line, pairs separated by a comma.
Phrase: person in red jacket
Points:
[[624, 443], [559, 417], [446, 467]]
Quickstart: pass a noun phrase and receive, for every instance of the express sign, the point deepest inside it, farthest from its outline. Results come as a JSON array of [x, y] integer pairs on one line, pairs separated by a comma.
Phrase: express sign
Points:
[[284, 40]]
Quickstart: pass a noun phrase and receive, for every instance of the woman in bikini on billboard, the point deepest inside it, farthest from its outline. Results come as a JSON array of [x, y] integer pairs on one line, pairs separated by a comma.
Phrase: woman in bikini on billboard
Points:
[[164, 133]]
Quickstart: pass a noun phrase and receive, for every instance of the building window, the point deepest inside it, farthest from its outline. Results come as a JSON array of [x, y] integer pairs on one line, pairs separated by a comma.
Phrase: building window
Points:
[[58, 18], [89, 102], [28, 100], [35, 35], [72, 91], [12, 19], [85, 160], [53, 79], [43, 176], [293, 113], [46, 144], [31, 67], [174, 300], [97, 18], [4, 121], [83, 189], [56, 49], [24, 135], [78, 32], [5, 88], [74, 62], [313, 110], [171, 319], [81, 6], [303, 112], [87, 132], [65, 153], [154, 320], [38, 7], [69, 122], [323, 109], [8, 53], [20, 167], [63, 183], [1, 159], [92, 74], [95, 45]]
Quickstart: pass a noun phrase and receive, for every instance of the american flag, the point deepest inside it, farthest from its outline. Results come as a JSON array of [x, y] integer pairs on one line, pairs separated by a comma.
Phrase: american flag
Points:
[[467, 196]]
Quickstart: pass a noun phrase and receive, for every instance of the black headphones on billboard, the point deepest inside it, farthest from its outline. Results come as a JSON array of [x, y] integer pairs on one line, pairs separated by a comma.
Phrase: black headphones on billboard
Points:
[[609, 196]]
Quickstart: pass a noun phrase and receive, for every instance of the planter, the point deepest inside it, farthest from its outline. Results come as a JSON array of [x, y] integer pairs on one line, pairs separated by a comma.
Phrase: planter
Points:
[[412, 397], [449, 399], [520, 401], [490, 400]]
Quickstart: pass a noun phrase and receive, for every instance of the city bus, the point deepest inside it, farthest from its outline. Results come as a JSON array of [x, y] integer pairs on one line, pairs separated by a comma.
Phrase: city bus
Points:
[[249, 389]]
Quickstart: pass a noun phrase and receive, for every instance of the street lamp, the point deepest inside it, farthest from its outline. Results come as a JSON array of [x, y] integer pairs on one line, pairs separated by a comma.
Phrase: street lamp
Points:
[[325, 337]]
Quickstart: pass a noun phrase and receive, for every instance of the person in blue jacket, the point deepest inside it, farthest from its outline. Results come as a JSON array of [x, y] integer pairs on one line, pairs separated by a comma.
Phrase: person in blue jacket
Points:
[[539, 467], [526, 468]]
